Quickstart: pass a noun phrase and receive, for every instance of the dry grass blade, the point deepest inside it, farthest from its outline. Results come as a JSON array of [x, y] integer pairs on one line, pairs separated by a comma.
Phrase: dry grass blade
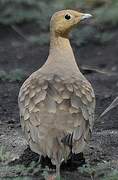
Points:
[[111, 106], [19, 32], [96, 70]]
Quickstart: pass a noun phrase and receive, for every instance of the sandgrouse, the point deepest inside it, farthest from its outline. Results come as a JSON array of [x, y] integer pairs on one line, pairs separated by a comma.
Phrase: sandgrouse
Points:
[[57, 102]]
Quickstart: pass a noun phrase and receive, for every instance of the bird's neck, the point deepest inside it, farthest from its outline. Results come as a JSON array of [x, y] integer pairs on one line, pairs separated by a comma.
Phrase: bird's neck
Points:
[[61, 59], [60, 44], [61, 51]]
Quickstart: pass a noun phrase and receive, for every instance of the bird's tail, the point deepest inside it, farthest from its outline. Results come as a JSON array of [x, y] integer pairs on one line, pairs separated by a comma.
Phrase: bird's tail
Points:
[[110, 107]]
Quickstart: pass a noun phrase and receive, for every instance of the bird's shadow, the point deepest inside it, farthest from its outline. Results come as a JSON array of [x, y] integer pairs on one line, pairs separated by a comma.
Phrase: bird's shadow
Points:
[[75, 161]]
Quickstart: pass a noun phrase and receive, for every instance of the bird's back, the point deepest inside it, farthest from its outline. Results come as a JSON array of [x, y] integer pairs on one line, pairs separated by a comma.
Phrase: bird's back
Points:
[[51, 108]]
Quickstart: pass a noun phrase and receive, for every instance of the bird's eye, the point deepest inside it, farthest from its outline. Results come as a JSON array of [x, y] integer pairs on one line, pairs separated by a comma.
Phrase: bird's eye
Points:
[[67, 16]]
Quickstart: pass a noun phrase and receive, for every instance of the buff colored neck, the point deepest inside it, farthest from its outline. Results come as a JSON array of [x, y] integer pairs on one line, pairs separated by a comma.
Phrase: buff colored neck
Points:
[[59, 43], [61, 55]]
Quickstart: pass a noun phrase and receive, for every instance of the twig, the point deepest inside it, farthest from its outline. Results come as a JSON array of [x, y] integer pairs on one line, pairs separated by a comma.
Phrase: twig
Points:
[[19, 32]]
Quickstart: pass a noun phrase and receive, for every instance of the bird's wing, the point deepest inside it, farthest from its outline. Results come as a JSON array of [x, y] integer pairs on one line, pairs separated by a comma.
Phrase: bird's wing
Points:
[[53, 94], [83, 99], [82, 107]]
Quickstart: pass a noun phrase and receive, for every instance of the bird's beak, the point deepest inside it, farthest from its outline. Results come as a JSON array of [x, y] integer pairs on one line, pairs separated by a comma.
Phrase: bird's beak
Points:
[[85, 16]]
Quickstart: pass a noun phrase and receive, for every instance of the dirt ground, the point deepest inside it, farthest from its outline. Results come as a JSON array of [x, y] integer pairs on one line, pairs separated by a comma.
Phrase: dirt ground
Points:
[[98, 62]]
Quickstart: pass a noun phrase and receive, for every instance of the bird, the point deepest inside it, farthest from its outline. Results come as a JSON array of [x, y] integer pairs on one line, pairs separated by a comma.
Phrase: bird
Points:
[[56, 102]]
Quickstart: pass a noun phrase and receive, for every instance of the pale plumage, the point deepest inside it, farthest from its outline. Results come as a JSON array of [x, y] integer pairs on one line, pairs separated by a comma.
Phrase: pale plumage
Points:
[[56, 102]]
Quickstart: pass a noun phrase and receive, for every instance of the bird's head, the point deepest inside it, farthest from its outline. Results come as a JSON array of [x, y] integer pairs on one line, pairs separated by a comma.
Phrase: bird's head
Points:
[[63, 21]]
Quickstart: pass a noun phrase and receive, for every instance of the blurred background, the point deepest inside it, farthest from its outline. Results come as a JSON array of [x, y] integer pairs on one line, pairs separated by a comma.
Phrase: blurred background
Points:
[[24, 46], [24, 33], [25, 24]]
